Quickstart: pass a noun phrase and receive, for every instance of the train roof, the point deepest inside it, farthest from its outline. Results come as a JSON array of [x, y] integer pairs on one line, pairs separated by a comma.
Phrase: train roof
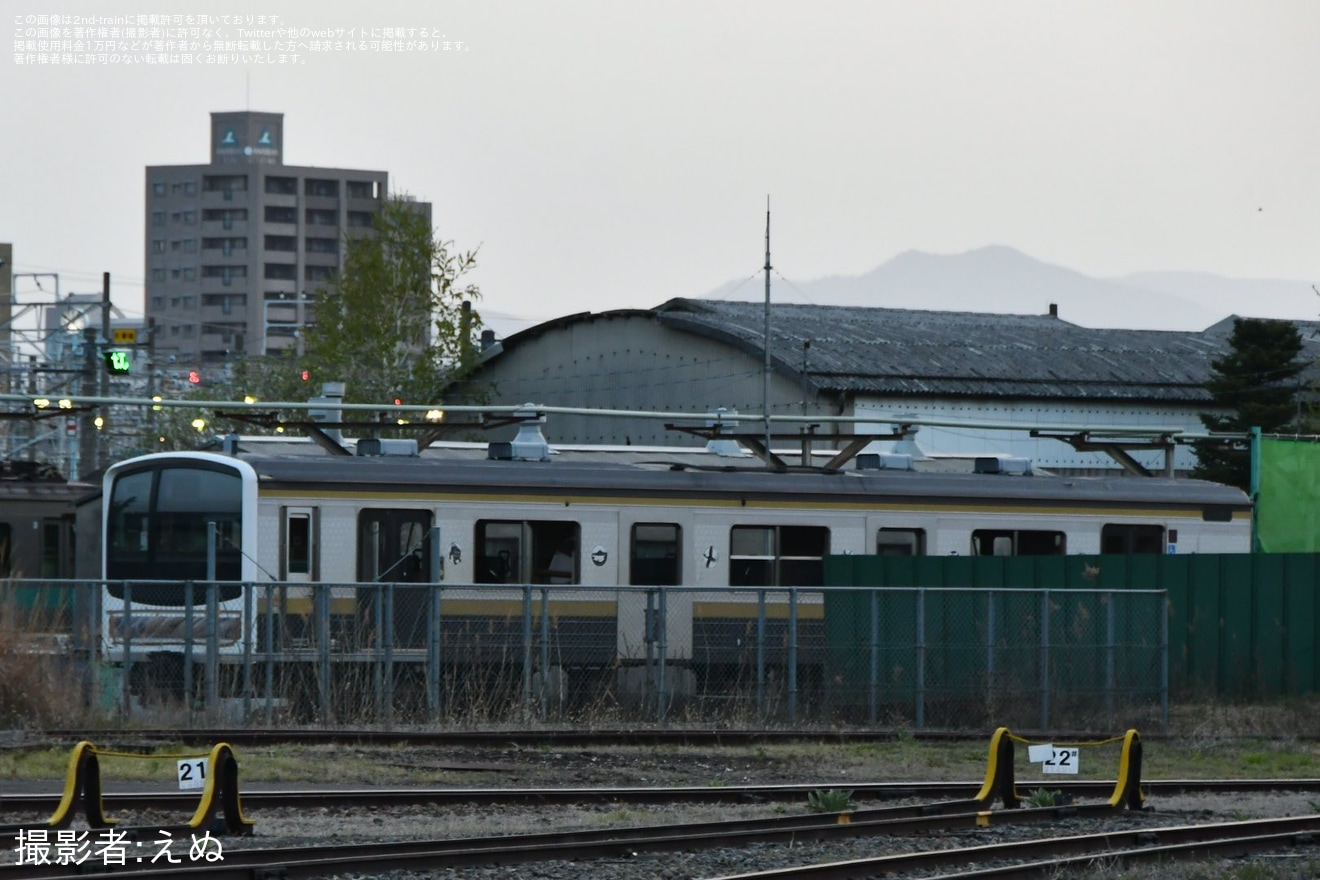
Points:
[[694, 473]]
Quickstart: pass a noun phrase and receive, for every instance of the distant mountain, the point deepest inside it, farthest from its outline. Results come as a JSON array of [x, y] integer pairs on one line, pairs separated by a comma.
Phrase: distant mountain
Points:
[[1002, 280]]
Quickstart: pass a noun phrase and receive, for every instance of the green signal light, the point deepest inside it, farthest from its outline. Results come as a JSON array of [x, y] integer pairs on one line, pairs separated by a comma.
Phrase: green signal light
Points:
[[118, 361]]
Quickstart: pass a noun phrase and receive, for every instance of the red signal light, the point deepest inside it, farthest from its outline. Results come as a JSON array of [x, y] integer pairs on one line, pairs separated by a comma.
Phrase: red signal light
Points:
[[306, 374], [397, 401], [194, 377]]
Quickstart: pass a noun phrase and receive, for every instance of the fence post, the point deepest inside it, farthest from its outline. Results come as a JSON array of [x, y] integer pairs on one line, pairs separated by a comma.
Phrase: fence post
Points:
[[875, 656], [760, 655], [921, 659], [269, 658], [387, 654], [212, 621], [433, 677], [378, 621], [249, 629], [1110, 649], [188, 597], [321, 599], [545, 650], [1164, 658], [662, 648], [1045, 660], [126, 633], [990, 650], [792, 654], [527, 651]]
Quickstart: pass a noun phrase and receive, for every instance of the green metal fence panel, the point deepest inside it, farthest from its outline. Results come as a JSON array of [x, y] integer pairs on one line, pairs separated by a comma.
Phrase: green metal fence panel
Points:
[[1267, 593], [1301, 662], [1239, 625]]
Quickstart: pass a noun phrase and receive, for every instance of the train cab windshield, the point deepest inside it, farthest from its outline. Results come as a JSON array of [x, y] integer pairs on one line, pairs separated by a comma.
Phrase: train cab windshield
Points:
[[158, 526]]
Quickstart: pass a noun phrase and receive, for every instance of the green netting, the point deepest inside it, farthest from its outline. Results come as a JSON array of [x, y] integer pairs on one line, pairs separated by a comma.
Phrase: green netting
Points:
[[1289, 503]]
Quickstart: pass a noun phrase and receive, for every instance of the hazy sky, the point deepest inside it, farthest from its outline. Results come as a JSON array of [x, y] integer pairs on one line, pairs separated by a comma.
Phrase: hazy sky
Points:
[[611, 154]]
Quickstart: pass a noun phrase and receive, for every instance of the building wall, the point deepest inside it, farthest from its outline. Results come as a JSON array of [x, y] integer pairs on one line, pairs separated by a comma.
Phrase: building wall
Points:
[[631, 362]]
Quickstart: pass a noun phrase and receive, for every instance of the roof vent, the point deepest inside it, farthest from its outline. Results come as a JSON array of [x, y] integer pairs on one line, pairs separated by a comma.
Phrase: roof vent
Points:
[[327, 408], [529, 445], [1002, 464], [724, 447], [884, 461]]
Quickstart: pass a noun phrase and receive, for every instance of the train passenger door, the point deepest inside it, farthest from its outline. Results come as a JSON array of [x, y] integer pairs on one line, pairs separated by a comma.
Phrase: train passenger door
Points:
[[655, 560], [394, 547]]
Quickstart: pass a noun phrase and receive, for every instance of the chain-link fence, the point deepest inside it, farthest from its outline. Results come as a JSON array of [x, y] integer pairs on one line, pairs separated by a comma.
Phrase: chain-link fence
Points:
[[283, 653]]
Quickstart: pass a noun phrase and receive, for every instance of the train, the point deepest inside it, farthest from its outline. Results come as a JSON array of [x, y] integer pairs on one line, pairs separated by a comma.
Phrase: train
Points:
[[37, 512], [594, 532], [39, 611]]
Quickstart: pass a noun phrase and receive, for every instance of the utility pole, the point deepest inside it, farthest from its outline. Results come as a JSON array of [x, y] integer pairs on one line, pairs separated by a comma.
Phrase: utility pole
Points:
[[85, 459], [102, 448], [765, 390]]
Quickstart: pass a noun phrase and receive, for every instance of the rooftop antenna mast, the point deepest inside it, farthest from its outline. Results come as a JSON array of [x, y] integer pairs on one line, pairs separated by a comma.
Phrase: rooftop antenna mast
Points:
[[765, 389]]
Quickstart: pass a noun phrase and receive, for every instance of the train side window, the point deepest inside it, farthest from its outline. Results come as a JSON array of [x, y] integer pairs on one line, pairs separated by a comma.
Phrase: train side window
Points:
[[527, 552], [900, 542], [777, 556], [1017, 542], [1124, 538], [653, 557], [6, 541]]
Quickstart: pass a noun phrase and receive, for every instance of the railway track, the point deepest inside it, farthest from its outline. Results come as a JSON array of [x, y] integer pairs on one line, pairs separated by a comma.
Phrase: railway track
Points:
[[658, 736], [1017, 858], [925, 818], [118, 802]]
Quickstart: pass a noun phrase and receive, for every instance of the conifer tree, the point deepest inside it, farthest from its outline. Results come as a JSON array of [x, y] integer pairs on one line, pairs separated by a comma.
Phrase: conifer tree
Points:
[[1254, 385]]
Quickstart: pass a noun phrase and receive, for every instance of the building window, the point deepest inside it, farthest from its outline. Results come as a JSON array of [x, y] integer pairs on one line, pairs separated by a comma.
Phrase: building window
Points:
[[190, 187], [227, 216], [282, 186], [319, 273], [158, 302], [281, 243], [189, 273], [158, 245], [225, 183], [321, 217], [359, 219], [157, 218], [175, 274], [226, 244], [322, 245], [362, 189], [189, 217], [277, 214], [158, 188], [282, 271], [322, 188], [157, 275], [190, 245]]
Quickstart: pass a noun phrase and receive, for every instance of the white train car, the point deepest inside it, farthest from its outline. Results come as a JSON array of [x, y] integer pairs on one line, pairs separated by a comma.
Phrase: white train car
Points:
[[576, 528]]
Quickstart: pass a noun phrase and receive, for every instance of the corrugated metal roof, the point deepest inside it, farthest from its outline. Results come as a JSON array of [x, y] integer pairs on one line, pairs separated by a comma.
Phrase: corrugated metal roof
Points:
[[913, 352]]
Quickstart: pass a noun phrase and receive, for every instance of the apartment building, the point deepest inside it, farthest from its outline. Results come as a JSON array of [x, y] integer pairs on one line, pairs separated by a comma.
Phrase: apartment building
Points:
[[237, 249]]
